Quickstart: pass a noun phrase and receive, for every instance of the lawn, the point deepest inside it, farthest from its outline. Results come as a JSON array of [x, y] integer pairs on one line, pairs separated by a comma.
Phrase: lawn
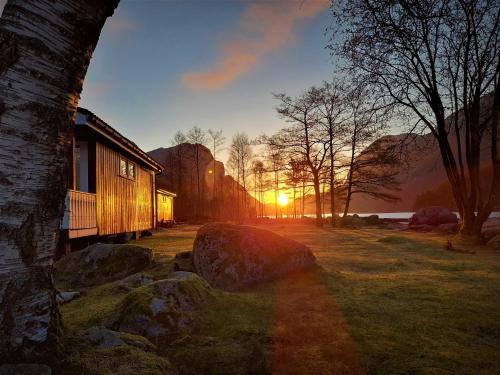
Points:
[[381, 302]]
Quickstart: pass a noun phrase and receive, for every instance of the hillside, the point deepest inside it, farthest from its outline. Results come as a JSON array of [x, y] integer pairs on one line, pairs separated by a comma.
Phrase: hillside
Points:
[[212, 195]]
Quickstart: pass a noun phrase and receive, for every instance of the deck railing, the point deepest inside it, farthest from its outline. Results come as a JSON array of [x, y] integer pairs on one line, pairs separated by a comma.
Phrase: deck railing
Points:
[[80, 217]]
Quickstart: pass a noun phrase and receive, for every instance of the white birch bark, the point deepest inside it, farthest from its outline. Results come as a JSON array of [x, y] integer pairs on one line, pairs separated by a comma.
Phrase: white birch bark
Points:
[[45, 49]]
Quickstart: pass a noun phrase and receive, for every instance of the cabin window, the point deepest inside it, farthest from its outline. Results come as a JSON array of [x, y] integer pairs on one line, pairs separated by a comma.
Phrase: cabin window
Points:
[[123, 168], [131, 170], [127, 169]]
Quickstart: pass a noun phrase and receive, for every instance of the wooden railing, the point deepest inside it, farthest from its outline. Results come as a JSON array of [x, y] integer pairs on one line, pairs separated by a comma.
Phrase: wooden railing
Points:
[[80, 217]]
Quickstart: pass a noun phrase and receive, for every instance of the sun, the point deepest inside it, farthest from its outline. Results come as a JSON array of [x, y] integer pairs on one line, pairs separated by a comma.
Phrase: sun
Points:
[[282, 199]]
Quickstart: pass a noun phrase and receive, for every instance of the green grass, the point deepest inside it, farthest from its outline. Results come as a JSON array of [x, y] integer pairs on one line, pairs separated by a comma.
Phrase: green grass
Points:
[[408, 305]]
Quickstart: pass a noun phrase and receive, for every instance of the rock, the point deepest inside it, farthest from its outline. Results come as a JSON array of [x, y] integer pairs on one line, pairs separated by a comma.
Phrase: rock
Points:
[[104, 338], [421, 228], [353, 221], [494, 242], [65, 297], [184, 261], [432, 216], [164, 308], [449, 228], [491, 228], [231, 256], [100, 263], [25, 369], [136, 280]]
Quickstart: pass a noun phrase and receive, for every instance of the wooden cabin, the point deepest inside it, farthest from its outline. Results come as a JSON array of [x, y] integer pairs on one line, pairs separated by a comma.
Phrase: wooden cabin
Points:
[[164, 207], [112, 184]]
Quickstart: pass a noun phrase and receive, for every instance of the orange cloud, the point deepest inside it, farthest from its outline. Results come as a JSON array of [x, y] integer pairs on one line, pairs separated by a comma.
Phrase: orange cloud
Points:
[[263, 28], [118, 26]]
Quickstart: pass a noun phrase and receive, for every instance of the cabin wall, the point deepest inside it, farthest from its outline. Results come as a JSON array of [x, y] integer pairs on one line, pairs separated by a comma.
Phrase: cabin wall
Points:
[[123, 205], [165, 206]]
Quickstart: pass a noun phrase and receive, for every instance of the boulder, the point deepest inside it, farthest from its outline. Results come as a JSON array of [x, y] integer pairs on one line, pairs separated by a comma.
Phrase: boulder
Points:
[[449, 228], [101, 263], [491, 228], [231, 257], [433, 217], [164, 308], [65, 297], [103, 338], [494, 242]]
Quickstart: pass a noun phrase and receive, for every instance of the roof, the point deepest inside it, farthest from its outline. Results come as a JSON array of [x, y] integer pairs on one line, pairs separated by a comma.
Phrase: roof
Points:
[[106, 130], [165, 192]]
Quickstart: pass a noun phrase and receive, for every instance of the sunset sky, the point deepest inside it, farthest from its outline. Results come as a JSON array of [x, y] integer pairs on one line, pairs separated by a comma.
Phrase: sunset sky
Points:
[[161, 66]]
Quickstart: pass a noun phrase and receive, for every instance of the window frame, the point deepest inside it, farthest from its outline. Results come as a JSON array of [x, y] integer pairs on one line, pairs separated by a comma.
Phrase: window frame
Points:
[[128, 164]]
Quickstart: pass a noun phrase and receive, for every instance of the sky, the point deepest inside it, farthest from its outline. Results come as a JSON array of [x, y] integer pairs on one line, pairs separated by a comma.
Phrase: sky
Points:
[[166, 65]]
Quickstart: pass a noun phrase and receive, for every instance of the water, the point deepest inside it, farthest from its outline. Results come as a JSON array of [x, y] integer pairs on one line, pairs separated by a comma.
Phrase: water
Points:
[[392, 215]]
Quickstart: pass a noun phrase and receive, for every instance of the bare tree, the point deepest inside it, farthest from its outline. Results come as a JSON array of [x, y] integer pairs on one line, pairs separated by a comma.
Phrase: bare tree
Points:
[[216, 141], [197, 137], [178, 140], [303, 137], [332, 108], [434, 61], [45, 52], [374, 168], [242, 152]]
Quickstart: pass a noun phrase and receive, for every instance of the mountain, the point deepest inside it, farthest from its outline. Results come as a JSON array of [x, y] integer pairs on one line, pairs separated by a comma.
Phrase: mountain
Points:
[[202, 187]]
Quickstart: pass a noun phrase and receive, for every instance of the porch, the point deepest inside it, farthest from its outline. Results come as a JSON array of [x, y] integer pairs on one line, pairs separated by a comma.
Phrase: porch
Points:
[[80, 215]]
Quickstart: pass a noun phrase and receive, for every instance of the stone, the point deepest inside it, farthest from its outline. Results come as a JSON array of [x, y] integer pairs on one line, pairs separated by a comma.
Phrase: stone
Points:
[[101, 263], [184, 261], [432, 216], [494, 242], [491, 228], [65, 297], [165, 308], [231, 257], [449, 228], [104, 338], [25, 369], [136, 280]]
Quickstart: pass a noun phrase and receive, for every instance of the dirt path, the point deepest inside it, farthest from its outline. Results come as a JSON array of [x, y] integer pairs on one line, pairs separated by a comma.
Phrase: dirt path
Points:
[[310, 335]]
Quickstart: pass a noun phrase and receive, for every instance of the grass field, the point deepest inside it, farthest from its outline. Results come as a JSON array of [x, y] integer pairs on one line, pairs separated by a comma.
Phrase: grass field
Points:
[[381, 302]]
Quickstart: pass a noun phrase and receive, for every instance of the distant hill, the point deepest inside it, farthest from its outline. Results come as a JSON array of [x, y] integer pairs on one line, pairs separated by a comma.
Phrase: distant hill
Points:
[[218, 193], [424, 172]]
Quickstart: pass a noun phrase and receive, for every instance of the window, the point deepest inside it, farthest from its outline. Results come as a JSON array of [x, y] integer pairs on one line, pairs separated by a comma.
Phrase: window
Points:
[[131, 170], [123, 168], [127, 169]]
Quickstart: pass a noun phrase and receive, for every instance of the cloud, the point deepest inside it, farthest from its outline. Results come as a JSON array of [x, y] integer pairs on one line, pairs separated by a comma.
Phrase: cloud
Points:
[[117, 26], [95, 90], [263, 28]]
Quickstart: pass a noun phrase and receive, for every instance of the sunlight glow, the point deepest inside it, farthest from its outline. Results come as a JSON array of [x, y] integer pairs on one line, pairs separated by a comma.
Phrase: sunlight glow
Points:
[[282, 199]]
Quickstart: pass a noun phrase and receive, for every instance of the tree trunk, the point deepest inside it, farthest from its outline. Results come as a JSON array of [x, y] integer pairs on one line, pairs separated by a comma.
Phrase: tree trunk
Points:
[[317, 196], [45, 51]]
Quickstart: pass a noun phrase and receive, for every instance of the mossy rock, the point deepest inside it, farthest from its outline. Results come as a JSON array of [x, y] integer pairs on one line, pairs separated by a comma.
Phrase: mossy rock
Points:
[[231, 257], [165, 308], [101, 263]]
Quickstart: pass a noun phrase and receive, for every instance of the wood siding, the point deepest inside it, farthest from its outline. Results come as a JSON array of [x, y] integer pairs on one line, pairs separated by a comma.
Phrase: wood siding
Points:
[[165, 208], [123, 205]]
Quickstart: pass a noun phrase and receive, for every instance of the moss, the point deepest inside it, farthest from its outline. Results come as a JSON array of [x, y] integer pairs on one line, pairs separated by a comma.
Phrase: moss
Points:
[[394, 240], [118, 360]]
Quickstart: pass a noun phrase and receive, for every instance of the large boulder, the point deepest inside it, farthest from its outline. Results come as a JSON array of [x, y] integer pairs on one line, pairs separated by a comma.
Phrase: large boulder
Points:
[[232, 256], [432, 217], [165, 308], [101, 263]]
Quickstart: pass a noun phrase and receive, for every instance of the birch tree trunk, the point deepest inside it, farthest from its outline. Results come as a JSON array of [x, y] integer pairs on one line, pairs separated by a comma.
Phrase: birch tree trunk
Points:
[[45, 49]]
